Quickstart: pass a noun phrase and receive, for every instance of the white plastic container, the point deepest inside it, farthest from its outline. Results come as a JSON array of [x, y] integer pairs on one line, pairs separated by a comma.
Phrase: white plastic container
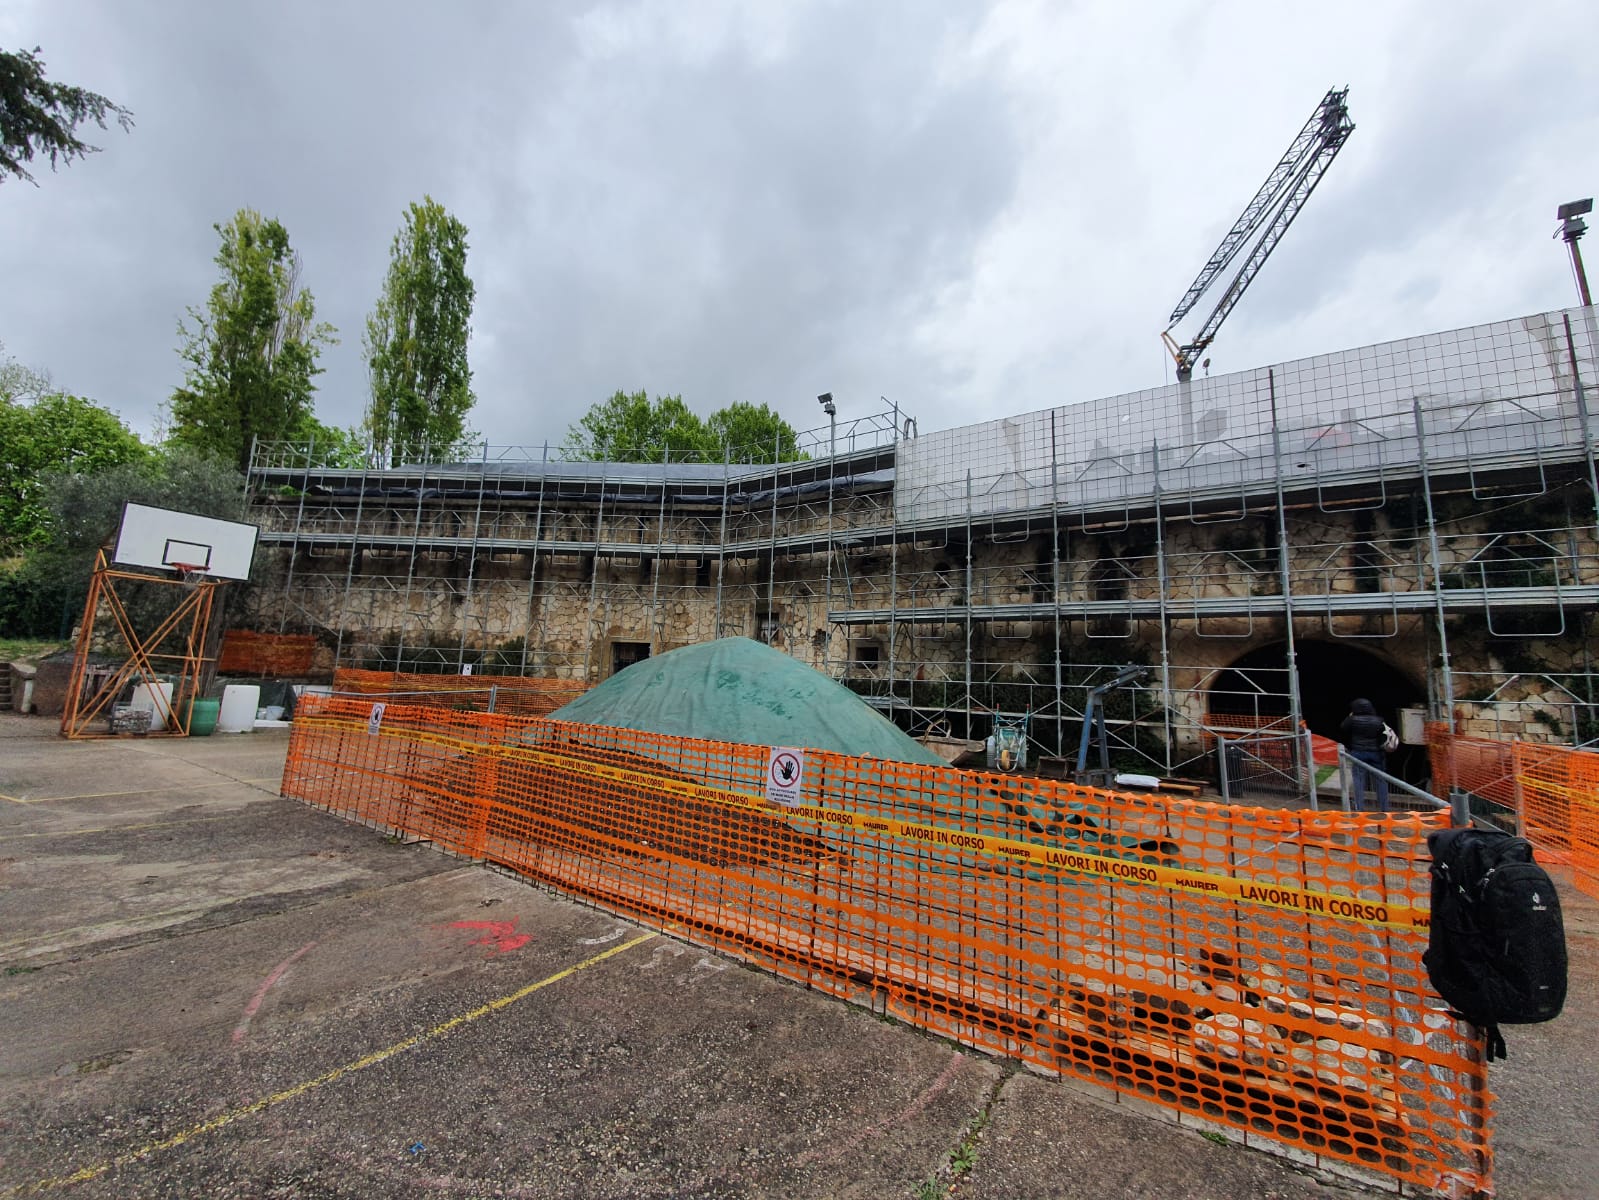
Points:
[[239, 702], [155, 699]]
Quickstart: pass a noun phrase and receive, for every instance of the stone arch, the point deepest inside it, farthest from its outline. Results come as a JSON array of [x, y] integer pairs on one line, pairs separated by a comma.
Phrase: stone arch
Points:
[[1331, 674]]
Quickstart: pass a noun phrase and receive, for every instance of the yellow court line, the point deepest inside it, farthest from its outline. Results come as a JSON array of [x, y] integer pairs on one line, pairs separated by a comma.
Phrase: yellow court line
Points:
[[84, 1174], [148, 791]]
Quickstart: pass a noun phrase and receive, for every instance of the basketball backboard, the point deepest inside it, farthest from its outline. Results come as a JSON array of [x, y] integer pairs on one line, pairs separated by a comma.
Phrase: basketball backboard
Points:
[[162, 539]]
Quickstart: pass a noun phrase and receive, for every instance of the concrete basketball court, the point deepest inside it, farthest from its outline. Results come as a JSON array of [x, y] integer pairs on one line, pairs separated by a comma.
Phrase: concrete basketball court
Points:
[[207, 990]]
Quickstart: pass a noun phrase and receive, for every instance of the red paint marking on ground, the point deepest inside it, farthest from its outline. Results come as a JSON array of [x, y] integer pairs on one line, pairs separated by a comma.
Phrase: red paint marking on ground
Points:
[[871, 1131], [502, 935], [260, 995]]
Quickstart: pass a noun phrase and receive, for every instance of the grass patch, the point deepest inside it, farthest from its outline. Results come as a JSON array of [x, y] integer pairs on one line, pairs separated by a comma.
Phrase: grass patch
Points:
[[28, 649], [959, 1162]]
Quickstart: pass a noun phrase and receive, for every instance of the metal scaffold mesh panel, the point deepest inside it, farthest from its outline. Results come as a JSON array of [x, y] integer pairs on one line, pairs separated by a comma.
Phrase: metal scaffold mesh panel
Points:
[[1507, 387]]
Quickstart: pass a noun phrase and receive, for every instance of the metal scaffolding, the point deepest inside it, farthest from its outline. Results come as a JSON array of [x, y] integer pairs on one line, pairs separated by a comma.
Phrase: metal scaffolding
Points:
[[1431, 502]]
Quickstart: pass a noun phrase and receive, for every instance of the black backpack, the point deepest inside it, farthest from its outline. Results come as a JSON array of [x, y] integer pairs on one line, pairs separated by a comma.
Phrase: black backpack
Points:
[[1497, 945]]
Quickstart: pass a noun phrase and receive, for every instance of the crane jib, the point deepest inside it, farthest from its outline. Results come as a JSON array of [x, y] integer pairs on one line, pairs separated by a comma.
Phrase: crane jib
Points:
[[1273, 209]]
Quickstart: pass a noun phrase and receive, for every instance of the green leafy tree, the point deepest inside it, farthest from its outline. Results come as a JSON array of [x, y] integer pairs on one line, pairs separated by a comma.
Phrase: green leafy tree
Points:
[[752, 433], [86, 506], [55, 433], [21, 382], [630, 427], [40, 117], [41, 594], [252, 351], [329, 446], [420, 380]]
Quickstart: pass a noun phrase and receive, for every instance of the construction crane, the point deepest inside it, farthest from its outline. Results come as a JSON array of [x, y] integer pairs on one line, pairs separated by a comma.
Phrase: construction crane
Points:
[[1274, 207]]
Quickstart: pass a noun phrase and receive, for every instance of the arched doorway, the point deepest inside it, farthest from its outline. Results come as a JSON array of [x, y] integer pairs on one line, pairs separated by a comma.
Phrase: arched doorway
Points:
[[1331, 674]]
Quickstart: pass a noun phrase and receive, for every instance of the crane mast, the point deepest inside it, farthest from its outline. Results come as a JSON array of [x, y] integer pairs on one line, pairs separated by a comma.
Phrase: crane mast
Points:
[[1273, 209]]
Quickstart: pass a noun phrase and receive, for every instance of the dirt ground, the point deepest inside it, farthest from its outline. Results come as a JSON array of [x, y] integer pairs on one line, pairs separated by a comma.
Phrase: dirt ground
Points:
[[207, 990]]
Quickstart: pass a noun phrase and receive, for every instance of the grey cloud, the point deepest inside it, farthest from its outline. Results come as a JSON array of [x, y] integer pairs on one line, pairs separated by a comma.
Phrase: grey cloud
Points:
[[320, 115], [715, 227], [743, 203], [1451, 142], [746, 233]]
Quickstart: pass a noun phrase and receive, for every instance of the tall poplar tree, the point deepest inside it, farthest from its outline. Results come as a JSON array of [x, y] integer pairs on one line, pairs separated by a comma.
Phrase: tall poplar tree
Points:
[[252, 351], [420, 380]]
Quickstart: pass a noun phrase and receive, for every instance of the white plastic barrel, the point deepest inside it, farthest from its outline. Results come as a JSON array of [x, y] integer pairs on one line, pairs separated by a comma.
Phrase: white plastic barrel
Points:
[[239, 702], [156, 699]]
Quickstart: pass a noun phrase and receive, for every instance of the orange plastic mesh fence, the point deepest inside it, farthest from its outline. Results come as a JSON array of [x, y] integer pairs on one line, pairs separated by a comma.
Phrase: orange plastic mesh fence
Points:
[[1232, 725], [1554, 790], [525, 694], [245, 652], [1258, 970]]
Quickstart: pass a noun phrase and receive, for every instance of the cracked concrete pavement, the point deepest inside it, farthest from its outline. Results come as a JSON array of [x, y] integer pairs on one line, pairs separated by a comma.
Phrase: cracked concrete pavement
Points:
[[207, 990]]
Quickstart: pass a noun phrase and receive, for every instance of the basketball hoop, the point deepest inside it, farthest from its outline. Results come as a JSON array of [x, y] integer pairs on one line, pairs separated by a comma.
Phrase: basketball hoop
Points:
[[154, 546], [190, 575]]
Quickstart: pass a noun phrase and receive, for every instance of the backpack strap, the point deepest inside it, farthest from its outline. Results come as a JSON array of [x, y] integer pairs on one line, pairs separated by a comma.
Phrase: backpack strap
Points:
[[1496, 1043]]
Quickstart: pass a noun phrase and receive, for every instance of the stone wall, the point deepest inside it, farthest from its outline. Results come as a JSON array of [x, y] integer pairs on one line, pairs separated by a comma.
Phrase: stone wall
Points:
[[578, 614]]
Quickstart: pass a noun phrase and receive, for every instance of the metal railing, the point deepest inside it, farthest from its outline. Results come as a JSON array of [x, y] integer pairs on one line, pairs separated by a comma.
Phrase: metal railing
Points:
[[1456, 806]]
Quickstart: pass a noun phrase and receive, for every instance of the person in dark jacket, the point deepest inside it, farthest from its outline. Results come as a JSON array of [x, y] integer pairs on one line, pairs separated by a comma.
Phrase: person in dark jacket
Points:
[[1362, 732]]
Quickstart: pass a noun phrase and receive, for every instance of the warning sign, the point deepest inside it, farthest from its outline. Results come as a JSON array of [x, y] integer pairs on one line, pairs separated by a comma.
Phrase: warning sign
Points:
[[785, 775]]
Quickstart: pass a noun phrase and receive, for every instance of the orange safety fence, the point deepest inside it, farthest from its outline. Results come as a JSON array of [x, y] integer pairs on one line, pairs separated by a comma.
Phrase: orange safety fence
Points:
[[1253, 971], [1553, 790], [245, 652], [1231, 723], [1241, 726], [528, 695]]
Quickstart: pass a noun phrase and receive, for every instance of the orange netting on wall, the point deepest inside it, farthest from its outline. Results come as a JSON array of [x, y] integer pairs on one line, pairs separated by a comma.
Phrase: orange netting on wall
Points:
[[245, 652], [525, 694], [1256, 971], [1231, 723], [1553, 790]]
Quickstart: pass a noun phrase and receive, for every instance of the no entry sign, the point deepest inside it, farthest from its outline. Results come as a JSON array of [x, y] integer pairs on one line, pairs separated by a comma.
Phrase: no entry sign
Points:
[[785, 775]]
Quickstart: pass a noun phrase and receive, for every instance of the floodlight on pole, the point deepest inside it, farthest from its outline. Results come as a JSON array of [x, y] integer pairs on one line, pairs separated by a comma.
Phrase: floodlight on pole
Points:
[[1572, 227], [828, 407]]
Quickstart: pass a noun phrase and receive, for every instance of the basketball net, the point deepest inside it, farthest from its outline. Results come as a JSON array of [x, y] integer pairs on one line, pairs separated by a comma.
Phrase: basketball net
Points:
[[190, 575]]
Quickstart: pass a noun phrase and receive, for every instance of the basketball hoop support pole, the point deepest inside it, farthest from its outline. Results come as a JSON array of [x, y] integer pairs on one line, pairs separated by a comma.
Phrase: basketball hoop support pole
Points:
[[189, 620]]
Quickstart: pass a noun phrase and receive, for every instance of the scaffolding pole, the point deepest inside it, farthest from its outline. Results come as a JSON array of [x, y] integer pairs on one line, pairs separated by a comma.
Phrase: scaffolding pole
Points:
[[533, 568], [1581, 397], [1295, 709], [1446, 679], [1165, 641], [349, 573], [1055, 581], [470, 598]]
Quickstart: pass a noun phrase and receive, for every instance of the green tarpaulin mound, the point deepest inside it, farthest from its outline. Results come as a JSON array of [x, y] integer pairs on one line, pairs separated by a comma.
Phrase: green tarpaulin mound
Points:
[[738, 690]]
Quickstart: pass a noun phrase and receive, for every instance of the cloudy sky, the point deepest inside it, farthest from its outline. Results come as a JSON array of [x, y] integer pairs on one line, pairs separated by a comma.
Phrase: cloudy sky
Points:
[[972, 210]]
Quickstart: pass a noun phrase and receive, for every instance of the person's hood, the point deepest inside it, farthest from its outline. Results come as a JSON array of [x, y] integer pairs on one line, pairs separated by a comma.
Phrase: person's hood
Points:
[[1362, 708]]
